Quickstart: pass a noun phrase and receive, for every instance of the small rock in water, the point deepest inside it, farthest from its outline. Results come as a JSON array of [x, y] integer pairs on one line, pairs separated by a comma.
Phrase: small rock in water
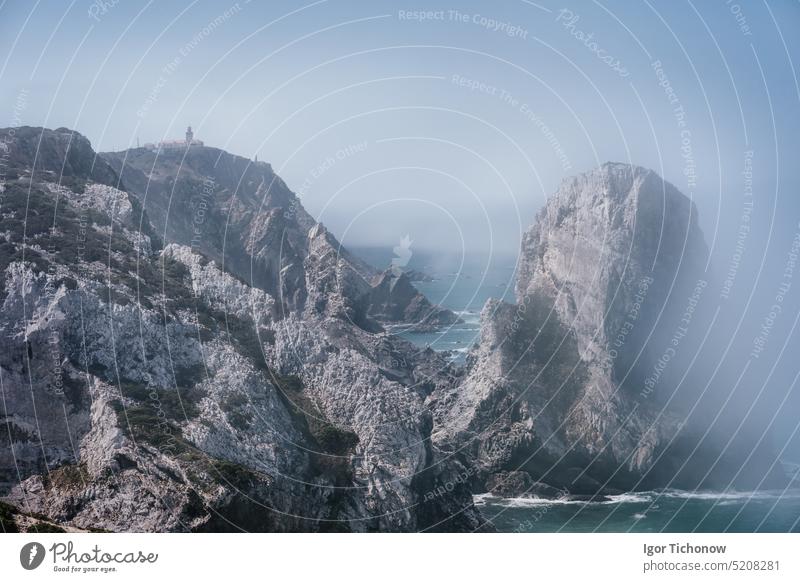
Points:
[[519, 484]]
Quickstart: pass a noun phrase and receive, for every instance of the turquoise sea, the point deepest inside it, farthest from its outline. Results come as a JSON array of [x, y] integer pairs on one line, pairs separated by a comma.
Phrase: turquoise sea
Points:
[[651, 511], [462, 283]]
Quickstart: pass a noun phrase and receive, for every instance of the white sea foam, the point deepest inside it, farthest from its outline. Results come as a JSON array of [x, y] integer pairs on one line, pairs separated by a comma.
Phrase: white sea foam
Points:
[[519, 502], [724, 498], [730, 495], [486, 498], [644, 497], [537, 501]]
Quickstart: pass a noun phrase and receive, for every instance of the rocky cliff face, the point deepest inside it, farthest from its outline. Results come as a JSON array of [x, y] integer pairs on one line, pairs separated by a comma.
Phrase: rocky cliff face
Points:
[[242, 215], [393, 298], [576, 384], [185, 349], [153, 387]]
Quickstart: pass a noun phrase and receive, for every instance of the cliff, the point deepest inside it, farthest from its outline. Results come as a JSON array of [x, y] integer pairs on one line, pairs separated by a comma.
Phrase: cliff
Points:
[[188, 351], [586, 383], [242, 215]]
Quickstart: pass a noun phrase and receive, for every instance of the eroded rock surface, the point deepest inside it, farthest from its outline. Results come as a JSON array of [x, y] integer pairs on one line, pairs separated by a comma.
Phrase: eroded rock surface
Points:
[[566, 385], [201, 385]]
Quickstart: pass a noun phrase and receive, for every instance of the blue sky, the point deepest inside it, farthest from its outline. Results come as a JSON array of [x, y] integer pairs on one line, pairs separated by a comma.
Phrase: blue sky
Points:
[[449, 128]]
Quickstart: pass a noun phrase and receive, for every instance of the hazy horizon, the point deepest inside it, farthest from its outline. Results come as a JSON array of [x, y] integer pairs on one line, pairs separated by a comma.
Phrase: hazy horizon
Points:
[[452, 129]]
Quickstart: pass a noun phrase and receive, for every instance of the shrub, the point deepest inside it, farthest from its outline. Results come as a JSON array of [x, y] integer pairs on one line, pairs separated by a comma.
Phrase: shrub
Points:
[[176, 404], [71, 476], [143, 423], [44, 527], [7, 523]]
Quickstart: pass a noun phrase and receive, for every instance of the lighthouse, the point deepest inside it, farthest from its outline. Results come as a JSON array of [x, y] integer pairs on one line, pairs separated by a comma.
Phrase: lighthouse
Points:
[[176, 144]]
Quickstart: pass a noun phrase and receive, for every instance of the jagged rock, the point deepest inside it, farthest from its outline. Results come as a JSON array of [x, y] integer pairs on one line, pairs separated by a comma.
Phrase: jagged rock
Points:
[[394, 299], [61, 155], [202, 387], [235, 212], [555, 387], [509, 484], [520, 484], [221, 290], [415, 275], [243, 216]]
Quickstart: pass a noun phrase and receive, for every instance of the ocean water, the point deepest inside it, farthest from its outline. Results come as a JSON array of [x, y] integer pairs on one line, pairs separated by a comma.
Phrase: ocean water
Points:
[[650, 511], [463, 285]]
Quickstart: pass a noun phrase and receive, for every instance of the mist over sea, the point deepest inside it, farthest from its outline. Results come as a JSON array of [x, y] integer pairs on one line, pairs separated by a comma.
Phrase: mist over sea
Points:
[[461, 282]]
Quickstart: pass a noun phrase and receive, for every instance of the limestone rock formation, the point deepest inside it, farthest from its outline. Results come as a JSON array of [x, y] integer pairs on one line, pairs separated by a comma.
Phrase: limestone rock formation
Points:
[[393, 298], [160, 388], [185, 349], [243, 215], [567, 385]]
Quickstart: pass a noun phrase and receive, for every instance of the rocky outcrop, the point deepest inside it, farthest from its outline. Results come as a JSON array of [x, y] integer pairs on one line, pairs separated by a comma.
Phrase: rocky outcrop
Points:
[[569, 384], [62, 155], [242, 215], [118, 417], [393, 298], [157, 388], [227, 208], [519, 484], [223, 366]]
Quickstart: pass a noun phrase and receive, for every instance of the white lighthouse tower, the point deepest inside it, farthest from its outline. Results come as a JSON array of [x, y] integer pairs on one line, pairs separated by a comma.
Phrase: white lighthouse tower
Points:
[[176, 144]]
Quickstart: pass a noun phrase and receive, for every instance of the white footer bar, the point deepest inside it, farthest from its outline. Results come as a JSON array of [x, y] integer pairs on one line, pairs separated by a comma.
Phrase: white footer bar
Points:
[[407, 557]]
